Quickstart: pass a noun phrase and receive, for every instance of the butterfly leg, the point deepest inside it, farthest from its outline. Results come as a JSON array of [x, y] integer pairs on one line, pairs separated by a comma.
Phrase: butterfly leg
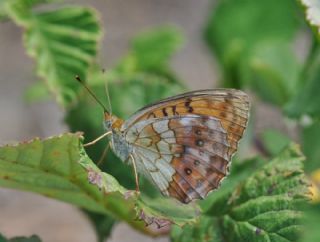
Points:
[[97, 139], [135, 173], [105, 151]]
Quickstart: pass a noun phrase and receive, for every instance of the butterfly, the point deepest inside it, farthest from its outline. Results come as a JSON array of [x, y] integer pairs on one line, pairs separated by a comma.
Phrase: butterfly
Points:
[[182, 144]]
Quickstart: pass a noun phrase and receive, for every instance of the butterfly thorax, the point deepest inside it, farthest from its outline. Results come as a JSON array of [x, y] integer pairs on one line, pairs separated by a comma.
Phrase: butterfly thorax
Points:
[[118, 143]]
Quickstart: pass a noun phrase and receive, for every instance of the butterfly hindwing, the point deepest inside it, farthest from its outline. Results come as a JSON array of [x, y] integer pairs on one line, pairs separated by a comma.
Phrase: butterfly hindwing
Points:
[[184, 144]]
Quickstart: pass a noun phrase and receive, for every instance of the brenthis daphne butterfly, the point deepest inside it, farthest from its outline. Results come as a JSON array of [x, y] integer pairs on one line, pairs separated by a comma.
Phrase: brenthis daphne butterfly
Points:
[[183, 144]]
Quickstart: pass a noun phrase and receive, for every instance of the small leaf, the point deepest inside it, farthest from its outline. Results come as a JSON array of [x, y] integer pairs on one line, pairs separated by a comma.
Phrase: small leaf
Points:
[[102, 224], [62, 41], [153, 49], [150, 52]]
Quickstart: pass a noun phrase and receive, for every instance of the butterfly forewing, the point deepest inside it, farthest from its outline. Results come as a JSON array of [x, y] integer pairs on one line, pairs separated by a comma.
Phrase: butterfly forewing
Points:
[[184, 144]]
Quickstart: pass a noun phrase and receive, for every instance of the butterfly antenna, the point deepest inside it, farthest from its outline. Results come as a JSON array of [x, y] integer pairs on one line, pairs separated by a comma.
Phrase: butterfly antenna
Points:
[[91, 93], [107, 93]]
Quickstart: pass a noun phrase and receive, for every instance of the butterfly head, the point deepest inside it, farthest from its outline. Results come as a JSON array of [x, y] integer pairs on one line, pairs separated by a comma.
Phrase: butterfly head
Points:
[[111, 122]]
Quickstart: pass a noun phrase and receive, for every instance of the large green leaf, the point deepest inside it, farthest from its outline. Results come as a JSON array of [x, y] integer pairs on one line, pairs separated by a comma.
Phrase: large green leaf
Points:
[[265, 205], [272, 71], [239, 24], [59, 168], [63, 42], [253, 43]]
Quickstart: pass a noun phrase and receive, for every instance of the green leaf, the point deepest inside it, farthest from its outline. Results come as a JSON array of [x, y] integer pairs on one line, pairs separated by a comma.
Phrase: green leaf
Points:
[[204, 230], [272, 72], [33, 238], [274, 141], [151, 51], [312, 233], [3, 14], [59, 168], [62, 41], [237, 27], [37, 91], [312, 11], [265, 205], [245, 22], [310, 136], [24, 4], [102, 224], [307, 98]]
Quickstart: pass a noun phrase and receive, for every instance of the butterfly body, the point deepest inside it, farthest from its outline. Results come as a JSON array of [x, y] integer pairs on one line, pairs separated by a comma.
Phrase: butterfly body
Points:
[[183, 144]]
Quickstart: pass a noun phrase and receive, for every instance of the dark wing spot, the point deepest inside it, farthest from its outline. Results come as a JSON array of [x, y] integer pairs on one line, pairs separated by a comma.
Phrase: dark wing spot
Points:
[[196, 162], [188, 171], [174, 111], [164, 111], [199, 142], [187, 105]]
